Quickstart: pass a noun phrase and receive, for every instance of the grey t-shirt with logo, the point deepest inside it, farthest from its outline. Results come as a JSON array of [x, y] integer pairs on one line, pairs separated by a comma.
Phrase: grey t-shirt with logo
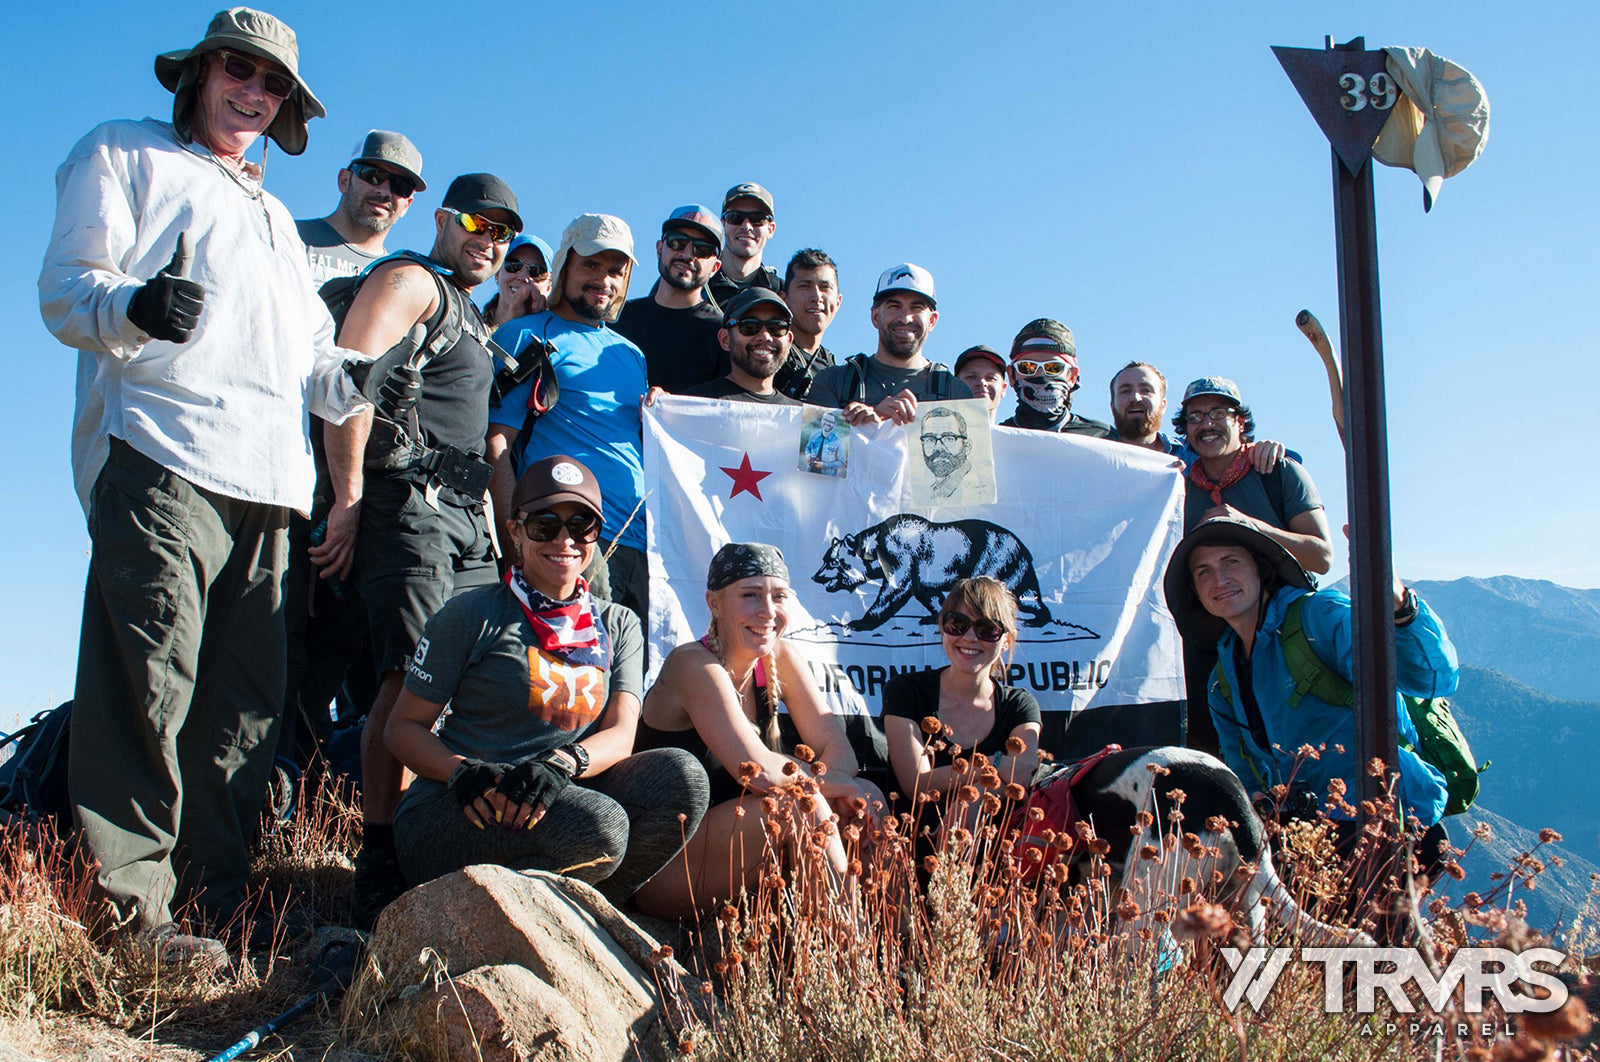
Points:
[[328, 252], [834, 386]]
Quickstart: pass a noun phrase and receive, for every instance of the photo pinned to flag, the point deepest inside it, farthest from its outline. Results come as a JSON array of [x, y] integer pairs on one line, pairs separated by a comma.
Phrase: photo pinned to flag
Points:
[[824, 442], [950, 455]]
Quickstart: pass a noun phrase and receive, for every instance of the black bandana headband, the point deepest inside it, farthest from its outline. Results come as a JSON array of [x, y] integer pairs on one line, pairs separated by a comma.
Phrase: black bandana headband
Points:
[[745, 560]]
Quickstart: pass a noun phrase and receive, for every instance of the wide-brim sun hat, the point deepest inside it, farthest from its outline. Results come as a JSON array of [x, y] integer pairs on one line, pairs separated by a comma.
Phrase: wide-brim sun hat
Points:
[[255, 33], [1194, 622]]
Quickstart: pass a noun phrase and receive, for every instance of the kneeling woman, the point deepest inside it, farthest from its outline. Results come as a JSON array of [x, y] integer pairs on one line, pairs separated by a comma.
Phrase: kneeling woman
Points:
[[718, 698], [977, 625], [531, 768]]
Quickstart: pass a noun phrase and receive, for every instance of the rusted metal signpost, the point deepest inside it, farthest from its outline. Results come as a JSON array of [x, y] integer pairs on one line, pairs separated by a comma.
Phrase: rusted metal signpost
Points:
[[1350, 94]]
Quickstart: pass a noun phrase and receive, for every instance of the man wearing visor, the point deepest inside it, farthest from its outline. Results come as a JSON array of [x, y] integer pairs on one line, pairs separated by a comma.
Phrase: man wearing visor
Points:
[[1044, 373]]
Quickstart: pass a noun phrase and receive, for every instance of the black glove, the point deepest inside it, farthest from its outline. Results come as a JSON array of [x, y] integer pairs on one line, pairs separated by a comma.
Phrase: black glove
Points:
[[473, 778], [534, 781], [168, 305]]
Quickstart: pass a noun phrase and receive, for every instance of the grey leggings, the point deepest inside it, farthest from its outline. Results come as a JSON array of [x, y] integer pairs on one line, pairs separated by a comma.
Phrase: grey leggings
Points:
[[626, 819]]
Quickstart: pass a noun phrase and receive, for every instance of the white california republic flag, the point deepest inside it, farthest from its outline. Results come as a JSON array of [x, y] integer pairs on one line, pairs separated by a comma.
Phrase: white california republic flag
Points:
[[1081, 531]]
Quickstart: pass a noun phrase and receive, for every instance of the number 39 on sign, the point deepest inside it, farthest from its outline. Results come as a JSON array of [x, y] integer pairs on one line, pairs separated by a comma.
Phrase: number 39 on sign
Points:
[[1377, 92]]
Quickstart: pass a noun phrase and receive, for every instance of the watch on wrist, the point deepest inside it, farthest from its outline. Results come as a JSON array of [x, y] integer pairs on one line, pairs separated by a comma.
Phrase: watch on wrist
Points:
[[1408, 608], [580, 757]]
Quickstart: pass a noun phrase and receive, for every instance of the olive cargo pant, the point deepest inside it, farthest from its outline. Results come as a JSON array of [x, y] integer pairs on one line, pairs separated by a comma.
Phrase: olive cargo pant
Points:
[[180, 682]]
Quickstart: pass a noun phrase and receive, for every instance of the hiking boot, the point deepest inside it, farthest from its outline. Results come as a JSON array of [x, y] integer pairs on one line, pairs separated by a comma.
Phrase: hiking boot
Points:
[[379, 882], [168, 945]]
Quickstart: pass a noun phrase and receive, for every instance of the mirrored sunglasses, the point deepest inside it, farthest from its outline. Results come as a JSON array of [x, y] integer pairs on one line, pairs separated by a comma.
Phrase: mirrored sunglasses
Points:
[[479, 225], [277, 84], [544, 526], [986, 630], [1053, 367]]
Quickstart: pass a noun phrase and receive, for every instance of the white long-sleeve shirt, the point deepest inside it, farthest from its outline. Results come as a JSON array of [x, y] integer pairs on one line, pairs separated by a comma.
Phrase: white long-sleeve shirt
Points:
[[229, 409]]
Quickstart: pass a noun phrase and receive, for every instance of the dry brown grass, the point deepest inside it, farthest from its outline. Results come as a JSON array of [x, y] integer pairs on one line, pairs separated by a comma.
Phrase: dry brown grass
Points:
[[973, 962]]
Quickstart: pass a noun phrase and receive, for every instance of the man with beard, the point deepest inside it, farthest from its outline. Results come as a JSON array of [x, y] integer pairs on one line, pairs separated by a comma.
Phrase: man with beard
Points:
[[1044, 371], [1222, 481], [811, 288], [983, 370], [1138, 404], [676, 324], [602, 376], [408, 516], [375, 191], [946, 450], [755, 332], [748, 221], [888, 385]]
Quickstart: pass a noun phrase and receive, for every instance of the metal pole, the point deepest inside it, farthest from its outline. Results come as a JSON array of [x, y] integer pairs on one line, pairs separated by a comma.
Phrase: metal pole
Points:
[[1367, 470]]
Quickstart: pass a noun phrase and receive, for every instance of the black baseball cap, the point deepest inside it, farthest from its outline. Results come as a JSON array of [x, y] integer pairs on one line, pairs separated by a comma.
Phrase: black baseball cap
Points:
[[749, 299], [980, 351], [473, 193]]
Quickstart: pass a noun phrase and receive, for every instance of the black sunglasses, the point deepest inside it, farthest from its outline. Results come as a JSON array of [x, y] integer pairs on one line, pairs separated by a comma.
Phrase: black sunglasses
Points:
[[403, 187], [739, 217], [677, 242], [544, 526], [516, 265], [987, 630], [749, 326], [278, 85]]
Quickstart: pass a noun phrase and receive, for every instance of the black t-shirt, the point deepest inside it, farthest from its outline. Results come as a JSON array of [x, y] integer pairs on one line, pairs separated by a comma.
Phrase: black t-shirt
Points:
[[680, 346], [724, 287], [1071, 424], [722, 387], [914, 695]]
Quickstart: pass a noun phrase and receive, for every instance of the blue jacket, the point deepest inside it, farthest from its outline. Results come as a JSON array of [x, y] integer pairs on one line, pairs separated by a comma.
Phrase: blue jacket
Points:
[[1425, 666]]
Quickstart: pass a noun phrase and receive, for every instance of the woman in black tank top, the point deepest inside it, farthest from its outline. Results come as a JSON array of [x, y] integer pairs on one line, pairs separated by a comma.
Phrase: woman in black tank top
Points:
[[718, 698]]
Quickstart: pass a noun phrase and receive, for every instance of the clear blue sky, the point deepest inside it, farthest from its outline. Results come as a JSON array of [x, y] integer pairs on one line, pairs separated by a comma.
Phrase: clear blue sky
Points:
[[1150, 178]]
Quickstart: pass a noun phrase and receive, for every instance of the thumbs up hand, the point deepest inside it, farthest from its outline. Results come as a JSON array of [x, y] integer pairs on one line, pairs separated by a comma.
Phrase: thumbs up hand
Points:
[[168, 305]]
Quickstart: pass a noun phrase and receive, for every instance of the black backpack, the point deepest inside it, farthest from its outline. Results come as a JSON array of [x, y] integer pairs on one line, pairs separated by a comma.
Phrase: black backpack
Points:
[[943, 383], [33, 778]]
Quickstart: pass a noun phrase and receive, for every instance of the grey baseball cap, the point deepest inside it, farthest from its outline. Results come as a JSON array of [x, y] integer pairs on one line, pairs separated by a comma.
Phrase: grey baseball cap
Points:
[[391, 149], [906, 277], [748, 190]]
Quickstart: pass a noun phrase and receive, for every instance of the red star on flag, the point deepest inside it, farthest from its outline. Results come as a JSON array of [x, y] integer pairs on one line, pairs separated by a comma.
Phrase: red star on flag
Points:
[[746, 478]]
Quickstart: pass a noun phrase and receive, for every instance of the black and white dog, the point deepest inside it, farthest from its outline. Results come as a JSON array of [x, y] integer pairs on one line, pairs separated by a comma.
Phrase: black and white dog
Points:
[[1113, 792]]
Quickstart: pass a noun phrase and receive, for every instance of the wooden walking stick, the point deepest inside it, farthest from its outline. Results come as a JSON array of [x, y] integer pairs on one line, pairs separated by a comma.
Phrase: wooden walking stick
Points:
[[1312, 329]]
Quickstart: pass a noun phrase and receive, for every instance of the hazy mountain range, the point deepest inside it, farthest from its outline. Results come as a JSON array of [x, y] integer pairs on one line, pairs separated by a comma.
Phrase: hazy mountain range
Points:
[[1529, 703]]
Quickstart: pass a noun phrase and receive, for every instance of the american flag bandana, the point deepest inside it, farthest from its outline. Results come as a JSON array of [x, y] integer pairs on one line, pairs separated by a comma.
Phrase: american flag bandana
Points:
[[571, 630]]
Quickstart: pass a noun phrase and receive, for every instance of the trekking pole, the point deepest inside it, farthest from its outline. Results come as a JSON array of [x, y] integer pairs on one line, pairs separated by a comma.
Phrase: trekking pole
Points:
[[339, 959]]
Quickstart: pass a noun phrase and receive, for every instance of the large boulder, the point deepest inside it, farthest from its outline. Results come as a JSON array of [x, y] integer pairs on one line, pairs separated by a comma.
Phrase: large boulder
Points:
[[539, 967]]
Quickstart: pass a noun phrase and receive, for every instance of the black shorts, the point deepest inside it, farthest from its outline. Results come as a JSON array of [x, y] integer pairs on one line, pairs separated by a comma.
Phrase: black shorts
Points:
[[410, 559]]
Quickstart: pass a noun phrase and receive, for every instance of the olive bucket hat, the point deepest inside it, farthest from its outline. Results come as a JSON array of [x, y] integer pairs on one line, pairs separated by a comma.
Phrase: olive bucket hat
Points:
[[254, 33], [1194, 622]]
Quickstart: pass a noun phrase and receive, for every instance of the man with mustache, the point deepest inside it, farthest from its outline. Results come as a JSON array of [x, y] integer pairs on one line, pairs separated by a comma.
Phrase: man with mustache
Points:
[[1044, 373], [603, 379], [1138, 404], [408, 524], [676, 324], [375, 191], [755, 333], [888, 385], [1223, 482]]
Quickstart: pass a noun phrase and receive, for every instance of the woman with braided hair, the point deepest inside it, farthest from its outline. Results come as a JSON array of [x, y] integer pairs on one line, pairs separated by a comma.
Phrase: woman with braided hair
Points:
[[533, 767], [718, 698]]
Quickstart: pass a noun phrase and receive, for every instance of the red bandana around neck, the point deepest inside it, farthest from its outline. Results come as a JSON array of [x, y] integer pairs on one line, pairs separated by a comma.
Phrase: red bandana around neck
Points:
[[571, 630], [1235, 472]]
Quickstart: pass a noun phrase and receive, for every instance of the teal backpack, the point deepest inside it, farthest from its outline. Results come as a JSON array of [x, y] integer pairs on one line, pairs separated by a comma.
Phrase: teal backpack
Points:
[[1440, 741]]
